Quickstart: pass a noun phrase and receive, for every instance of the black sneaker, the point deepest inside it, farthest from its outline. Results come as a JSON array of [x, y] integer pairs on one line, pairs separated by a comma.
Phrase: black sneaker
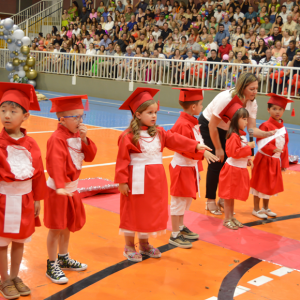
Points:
[[189, 234], [66, 263], [180, 241], [54, 273]]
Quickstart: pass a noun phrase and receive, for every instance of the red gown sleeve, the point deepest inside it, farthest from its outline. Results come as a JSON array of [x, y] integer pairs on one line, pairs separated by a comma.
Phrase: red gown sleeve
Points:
[[285, 154], [89, 150], [234, 147], [270, 147], [187, 132], [39, 186], [56, 162]]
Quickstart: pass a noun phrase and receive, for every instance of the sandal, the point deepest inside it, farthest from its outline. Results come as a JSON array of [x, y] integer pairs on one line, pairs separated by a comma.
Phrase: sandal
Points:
[[221, 204], [132, 255], [237, 223], [150, 251], [214, 212], [230, 225]]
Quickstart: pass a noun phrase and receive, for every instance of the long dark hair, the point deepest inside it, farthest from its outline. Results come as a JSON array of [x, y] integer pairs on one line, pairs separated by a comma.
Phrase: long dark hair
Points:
[[234, 125]]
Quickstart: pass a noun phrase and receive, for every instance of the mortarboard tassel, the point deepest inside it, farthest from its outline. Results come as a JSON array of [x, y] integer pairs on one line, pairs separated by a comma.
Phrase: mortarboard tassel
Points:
[[293, 113]]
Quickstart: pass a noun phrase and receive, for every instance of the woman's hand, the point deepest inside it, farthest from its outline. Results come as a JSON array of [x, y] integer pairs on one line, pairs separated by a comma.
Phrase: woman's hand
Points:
[[220, 154], [210, 158], [124, 189], [250, 163], [37, 208]]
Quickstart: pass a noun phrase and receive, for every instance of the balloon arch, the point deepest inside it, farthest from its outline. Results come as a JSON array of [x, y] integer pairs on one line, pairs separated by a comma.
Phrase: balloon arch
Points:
[[21, 67]]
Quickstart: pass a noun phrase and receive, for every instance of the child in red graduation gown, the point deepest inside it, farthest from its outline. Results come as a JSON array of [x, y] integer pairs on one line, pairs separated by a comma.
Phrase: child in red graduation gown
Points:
[[67, 147], [185, 167], [234, 180], [141, 175], [272, 158], [22, 183]]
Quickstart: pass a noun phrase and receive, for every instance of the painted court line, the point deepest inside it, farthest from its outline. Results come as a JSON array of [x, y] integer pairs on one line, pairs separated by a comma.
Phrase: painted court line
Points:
[[212, 298], [240, 290], [282, 271], [260, 280]]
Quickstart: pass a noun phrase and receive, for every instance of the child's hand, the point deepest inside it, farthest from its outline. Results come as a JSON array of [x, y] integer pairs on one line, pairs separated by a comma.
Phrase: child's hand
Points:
[[124, 189], [210, 157], [250, 163], [83, 132], [277, 150], [251, 144], [203, 147], [283, 169], [63, 192], [37, 208]]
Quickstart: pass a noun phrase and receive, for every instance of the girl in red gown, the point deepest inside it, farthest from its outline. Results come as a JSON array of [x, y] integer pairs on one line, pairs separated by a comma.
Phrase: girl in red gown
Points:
[[141, 175], [234, 180]]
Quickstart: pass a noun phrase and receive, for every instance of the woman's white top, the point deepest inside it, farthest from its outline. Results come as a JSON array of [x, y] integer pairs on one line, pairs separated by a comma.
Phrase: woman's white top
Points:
[[90, 52], [219, 103], [188, 64], [109, 25], [286, 41]]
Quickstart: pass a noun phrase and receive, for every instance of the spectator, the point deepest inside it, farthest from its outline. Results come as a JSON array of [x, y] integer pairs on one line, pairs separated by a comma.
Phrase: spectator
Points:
[[276, 35], [156, 33], [267, 25], [93, 14], [194, 47], [278, 50], [289, 5], [135, 32], [83, 31], [221, 34], [240, 47], [224, 49], [159, 43], [126, 64], [283, 14], [291, 51], [151, 44], [278, 23], [238, 69], [212, 45], [211, 69], [131, 23], [105, 14], [183, 46], [141, 4], [100, 31], [110, 51], [289, 25], [260, 51], [151, 6], [58, 40], [251, 50], [263, 73], [169, 48], [218, 14], [150, 21], [238, 14], [105, 41], [261, 15], [297, 28], [186, 24], [76, 30], [97, 42], [273, 14], [226, 23], [159, 5], [120, 8], [141, 43], [262, 35], [87, 41], [84, 15], [128, 14], [286, 38], [187, 66], [276, 4], [161, 21], [250, 14], [237, 35], [166, 32], [122, 43]]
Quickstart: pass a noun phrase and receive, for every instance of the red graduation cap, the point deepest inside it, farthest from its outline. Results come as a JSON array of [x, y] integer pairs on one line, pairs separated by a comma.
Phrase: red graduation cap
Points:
[[278, 100], [190, 94], [230, 109], [20, 93], [69, 103], [137, 98]]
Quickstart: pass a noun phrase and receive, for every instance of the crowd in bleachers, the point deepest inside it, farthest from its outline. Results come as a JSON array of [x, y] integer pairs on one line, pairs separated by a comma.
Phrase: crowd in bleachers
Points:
[[247, 32]]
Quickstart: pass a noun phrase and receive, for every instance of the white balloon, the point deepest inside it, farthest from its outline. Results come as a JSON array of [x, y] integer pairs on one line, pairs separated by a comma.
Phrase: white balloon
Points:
[[26, 41], [8, 23], [18, 34], [21, 73], [32, 82], [11, 80], [15, 27]]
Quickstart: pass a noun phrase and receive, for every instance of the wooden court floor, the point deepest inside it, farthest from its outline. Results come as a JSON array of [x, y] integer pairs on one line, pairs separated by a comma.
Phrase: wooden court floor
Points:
[[221, 265]]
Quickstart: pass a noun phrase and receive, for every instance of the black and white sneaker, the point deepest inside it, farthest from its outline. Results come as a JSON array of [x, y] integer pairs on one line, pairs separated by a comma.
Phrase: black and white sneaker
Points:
[[54, 273], [180, 241], [66, 263], [188, 234]]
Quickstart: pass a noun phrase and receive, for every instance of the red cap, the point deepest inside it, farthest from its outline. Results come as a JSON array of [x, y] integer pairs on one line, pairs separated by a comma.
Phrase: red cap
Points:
[[69, 103], [278, 100], [231, 108], [190, 94], [20, 93], [137, 98]]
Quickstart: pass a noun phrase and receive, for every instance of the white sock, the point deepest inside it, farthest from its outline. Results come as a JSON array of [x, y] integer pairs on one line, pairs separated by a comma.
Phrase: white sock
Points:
[[181, 227], [63, 254], [175, 234]]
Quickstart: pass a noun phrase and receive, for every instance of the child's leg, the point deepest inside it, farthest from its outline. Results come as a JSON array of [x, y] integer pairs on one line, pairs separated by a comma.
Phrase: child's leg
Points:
[[4, 264], [266, 203], [63, 243], [256, 200], [175, 225], [17, 250], [256, 211], [147, 249], [228, 209], [52, 243], [267, 210]]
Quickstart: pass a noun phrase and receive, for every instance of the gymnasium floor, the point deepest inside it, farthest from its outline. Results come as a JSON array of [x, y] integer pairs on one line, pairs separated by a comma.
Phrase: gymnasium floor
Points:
[[260, 261]]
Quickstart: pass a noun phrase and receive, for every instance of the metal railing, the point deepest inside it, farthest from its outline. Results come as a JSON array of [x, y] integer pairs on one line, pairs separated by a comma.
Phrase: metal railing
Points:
[[164, 71], [31, 11], [43, 21]]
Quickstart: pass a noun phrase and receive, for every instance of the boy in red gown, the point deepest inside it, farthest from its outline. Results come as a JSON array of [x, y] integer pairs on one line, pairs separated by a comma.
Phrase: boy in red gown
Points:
[[185, 166], [67, 147], [22, 183], [272, 158]]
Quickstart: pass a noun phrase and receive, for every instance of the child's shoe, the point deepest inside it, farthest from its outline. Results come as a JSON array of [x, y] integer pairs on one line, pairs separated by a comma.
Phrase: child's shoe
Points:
[[54, 273], [237, 223], [66, 263], [230, 225], [180, 241], [269, 212], [260, 214], [8, 290], [150, 251], [23, 289], [132, 255], [188, 234]]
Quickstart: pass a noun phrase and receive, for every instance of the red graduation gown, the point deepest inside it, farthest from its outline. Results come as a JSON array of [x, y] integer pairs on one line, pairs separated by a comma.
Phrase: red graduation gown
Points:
[[184, 179], [266, 174], [234, 181], [28, 221], [63, 211], [147, 212]]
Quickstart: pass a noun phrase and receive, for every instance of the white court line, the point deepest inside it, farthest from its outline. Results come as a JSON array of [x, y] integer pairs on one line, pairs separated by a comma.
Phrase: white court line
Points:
[[212, 298], [240, 290], [109, 164], [260, 280], [282, 271]]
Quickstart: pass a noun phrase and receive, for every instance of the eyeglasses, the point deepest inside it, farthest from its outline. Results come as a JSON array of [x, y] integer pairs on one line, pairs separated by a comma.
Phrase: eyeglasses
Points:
[[76, 118]]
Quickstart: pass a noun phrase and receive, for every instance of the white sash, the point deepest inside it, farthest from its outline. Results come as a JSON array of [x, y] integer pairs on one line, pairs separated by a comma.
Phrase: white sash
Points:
[[237, 162], [13, 204], [139, 161], [70, 187], [265, 141]]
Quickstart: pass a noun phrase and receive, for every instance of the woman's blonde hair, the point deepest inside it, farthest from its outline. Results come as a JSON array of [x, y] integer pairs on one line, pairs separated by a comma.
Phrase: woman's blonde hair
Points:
[[244, 80], [135, 124]]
